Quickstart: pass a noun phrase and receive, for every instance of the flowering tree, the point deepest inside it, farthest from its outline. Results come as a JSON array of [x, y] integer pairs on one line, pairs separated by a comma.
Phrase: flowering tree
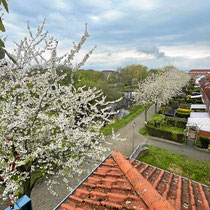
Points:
[[45, 127], [143, 94], [167, 84], [159, 88]]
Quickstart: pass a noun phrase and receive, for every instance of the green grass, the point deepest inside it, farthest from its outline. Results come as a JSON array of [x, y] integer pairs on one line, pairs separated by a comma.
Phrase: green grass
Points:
[[171, 128], [119, 124], [194, 169], [143, 131]]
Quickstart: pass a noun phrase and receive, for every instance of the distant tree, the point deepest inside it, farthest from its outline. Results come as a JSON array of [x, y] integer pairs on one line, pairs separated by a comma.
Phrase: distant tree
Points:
[[132, 74]]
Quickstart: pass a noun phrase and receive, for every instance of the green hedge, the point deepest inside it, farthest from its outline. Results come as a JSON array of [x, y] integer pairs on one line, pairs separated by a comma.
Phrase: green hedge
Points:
[[183, 112], [177, 122], [158, 132], [156, 119], [202, 142]]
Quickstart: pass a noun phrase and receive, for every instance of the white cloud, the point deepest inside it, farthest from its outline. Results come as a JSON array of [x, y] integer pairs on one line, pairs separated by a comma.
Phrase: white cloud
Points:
[[107, 16], [140, 4], [188, 51], [55, 16]]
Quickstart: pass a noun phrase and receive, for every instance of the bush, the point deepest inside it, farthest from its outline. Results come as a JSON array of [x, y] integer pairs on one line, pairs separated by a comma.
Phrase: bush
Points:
[[198, 101], [158, 132], [189, 100], [202, 142], [176, 121], [184, 106], [156, 120], [143, 131], [183, 112]]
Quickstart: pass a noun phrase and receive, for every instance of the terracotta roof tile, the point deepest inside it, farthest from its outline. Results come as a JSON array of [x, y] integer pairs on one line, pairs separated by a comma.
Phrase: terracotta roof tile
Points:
[[121, 183]]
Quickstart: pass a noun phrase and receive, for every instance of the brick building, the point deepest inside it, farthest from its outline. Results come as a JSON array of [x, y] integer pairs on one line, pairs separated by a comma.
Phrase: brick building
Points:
[[195, 73], [205, 92]]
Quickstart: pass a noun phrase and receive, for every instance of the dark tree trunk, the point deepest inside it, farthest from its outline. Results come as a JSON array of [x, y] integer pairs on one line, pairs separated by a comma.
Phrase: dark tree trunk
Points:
[[145, 112], [27, 187], [155, 108]]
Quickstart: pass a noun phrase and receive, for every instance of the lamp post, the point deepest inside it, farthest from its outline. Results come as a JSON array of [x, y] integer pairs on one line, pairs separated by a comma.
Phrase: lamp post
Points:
[[134, 124]]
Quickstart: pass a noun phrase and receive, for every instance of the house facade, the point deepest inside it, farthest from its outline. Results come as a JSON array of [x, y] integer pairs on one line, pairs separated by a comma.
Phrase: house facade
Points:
[[195, 73], [205, 92]]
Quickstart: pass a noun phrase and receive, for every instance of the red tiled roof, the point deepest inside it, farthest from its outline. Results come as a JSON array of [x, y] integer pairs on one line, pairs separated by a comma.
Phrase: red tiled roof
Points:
[[195, 70], [122, 183]]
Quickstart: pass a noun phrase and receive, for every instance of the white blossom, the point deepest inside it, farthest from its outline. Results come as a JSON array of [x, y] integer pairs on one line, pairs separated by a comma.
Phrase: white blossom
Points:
[[46, 127]]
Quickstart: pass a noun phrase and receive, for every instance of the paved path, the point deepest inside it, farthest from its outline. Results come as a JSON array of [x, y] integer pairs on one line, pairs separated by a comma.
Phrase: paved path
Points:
[[179, 148], [126, 132]]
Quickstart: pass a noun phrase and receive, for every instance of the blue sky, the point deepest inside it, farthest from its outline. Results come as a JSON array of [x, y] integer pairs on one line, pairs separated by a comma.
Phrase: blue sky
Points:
[[154, 33]]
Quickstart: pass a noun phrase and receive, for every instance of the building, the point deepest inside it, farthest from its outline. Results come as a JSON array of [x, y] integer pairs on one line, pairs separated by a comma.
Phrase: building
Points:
[[205, 92], [108, 72], [201, 120], [123, 183], [195, 73]]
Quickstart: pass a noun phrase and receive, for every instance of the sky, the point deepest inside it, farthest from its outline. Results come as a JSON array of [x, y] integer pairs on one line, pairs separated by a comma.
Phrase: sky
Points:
[[154, 33]]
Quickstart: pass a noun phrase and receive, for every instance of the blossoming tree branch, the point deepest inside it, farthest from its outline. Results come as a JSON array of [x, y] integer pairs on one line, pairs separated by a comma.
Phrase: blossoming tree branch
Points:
[[45, 127], [160, 87]]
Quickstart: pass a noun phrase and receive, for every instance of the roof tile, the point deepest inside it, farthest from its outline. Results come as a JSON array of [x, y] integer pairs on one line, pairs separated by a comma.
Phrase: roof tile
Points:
[[121, 183]]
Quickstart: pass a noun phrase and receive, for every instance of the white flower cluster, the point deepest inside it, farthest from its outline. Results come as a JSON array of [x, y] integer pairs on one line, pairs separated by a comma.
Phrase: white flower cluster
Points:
[[160, 87], [45, 127]]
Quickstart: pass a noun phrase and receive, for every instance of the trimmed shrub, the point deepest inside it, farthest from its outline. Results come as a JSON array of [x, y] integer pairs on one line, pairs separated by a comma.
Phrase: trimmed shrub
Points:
[[156, 119], [176, 121], [202, 142], [183, 112], [158, 132], [184, 106], [180, 137]]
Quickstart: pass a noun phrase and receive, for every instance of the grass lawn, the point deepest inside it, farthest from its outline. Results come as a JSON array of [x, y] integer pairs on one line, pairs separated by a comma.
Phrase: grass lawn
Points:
[[172, 128], [143, 131], [135, 110], [194, 169]]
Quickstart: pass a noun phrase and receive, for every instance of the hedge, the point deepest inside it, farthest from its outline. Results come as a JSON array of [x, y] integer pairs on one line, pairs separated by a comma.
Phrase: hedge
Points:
[[156, 119], [176, 121], [158, 132], [202, 142], [183, 112]]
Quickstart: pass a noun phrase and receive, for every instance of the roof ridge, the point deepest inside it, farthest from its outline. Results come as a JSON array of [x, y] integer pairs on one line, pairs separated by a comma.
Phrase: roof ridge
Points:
[[143, 188]]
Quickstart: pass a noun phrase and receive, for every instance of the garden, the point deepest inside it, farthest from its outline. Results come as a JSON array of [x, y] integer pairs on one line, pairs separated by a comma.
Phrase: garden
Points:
[[171, 128], [171, 120]]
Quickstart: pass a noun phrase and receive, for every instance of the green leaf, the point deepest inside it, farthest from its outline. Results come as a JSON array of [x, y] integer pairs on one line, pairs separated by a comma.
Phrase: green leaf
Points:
[[4, 2], [1, 44], [2, 26], [11, 57], [2, 53]]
